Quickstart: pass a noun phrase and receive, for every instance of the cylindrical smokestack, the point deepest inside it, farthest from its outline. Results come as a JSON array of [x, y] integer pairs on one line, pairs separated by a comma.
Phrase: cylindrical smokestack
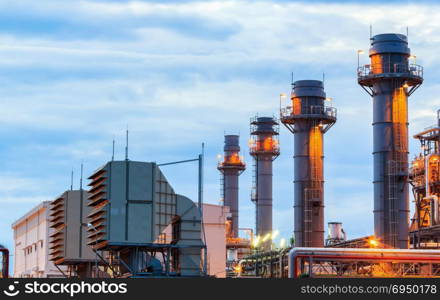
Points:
[[231, 167], [264, 148], [308, 117], [390, 79]]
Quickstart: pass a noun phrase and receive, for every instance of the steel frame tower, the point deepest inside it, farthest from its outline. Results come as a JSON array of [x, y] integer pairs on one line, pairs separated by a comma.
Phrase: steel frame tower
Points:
[[424, 177], [308, 118], [389, 79], [264, 148], [231, 167]]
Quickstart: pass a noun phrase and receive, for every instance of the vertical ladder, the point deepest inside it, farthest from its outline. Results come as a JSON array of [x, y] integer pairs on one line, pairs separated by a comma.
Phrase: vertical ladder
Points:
[[396, 166], [392, 202], [254, 191], [222, 189], [313, 192]]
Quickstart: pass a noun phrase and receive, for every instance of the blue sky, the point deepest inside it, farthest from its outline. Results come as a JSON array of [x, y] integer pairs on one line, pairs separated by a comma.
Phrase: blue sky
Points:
[[74, 73]]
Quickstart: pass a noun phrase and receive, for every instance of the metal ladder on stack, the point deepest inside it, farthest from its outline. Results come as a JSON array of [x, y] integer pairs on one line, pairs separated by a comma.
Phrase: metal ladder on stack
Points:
[[254, 192], [312, 192], [222, 189], [396, 167], [392, 199]]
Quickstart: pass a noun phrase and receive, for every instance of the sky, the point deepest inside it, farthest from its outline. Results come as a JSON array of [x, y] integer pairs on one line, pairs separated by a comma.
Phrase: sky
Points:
[[75, 74]]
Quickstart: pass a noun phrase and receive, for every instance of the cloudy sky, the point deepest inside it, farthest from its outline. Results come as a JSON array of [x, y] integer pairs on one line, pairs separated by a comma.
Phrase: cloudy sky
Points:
[[178, 73]]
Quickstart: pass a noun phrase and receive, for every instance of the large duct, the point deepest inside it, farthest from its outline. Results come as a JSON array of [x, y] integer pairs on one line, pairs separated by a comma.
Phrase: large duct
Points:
[[308, 118], [390, 79], [231, 167], [132, 203], [264, 148], [68, 242]]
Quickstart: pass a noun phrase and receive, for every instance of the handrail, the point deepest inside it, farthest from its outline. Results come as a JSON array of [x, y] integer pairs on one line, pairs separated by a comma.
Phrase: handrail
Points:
[[328, 111], [377, 69]]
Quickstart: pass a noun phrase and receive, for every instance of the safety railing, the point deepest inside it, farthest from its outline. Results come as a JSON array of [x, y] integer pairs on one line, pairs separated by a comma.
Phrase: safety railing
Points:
[[269, 145], [402, 68], [313, 110]]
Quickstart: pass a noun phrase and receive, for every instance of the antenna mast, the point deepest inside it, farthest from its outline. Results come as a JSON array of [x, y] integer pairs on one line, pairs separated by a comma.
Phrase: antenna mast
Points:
[[71, 180], [81, 178], [113, 149], [126, 144]]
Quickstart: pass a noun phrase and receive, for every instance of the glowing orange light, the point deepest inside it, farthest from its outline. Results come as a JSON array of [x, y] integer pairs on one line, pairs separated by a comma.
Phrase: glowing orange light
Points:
[[373, 242]]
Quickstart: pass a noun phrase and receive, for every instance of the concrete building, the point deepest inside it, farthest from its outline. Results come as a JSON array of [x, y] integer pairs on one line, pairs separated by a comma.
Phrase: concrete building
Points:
[[31, 244]]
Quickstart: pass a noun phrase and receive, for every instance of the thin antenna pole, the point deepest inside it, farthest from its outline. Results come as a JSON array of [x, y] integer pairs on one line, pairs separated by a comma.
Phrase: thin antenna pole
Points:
[[126, 144], [291, 79], [407, 33], [113, 149], [200, 204], [371, 31], [81, 178], [71, 180], [323, 77]]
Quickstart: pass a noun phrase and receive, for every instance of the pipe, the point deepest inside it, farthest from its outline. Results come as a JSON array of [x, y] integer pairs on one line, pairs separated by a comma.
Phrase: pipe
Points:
[[360, 254], [434, 209], [5, 262]]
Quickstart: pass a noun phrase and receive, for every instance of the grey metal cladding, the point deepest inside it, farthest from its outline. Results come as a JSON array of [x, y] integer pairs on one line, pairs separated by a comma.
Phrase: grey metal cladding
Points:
[[139, 187], [69, 218], [141, 203]]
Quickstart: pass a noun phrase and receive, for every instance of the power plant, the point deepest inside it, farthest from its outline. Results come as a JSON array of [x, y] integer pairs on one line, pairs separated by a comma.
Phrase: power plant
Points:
[[308, 117], [131, 223], [390, 79], [264, 148]]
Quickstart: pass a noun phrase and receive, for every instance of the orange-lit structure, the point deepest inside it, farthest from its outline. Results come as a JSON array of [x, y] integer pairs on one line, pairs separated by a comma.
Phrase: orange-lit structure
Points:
[[390, 79], [308, 116], [264, 148], [231, 167], [425, 181], [367, 262]]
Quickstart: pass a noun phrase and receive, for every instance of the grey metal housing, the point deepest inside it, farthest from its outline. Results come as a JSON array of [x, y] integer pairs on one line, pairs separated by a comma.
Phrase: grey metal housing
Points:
[[68, 218], [132, 203]]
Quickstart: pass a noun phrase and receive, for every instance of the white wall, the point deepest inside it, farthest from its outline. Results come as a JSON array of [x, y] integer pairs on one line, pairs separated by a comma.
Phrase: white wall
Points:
[[31, 247]]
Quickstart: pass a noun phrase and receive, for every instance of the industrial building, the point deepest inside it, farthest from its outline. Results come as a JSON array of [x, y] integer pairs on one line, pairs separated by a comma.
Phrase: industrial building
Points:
[[31, 244], [214, 217]]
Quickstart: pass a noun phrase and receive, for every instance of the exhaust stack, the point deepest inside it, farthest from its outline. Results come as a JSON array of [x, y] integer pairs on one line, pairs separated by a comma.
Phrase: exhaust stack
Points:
[[231, 167], [389, 79], [264, 148], [308, 117]]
